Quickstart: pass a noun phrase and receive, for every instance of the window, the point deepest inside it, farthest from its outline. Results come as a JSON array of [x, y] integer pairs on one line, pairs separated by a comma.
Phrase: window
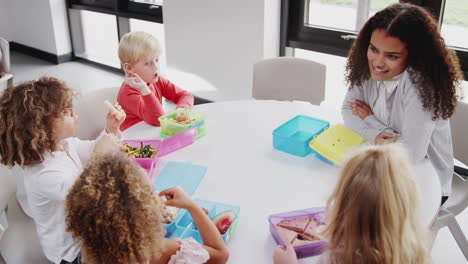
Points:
[[150, 10], [96, 26], [342, 14], [97, 39], [330, 26], [104, 4], [455, 29]]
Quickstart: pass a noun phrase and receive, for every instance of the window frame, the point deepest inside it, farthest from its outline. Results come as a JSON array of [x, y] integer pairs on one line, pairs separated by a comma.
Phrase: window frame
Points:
[[122, 8], [295, 33]]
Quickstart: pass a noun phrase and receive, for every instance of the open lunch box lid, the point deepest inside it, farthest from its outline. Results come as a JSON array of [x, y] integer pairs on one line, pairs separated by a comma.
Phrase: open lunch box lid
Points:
[[177, 141], [184, 174], [335, 142], [165, 146]]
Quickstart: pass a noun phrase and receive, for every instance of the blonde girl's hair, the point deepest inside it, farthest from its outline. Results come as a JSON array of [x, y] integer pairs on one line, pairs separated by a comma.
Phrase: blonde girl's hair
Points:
[[114, 213], [373, 211], [138, 45], [27, 113]]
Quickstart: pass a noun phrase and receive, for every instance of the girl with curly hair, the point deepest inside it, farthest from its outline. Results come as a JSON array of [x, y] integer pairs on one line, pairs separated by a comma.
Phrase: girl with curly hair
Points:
[[114, 213], [403, 84], [373, 213], [37, 125]]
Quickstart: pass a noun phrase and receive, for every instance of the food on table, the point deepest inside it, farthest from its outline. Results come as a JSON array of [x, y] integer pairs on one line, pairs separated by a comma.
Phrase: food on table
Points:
[[183, 117], [313, 230], [120, 113], [169, 213], [295, 224], [286, 235], [224, 220], [142, 152], [300, 231]]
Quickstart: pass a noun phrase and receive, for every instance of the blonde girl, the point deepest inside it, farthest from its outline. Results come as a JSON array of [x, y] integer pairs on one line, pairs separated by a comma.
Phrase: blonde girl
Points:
[[372, 214]]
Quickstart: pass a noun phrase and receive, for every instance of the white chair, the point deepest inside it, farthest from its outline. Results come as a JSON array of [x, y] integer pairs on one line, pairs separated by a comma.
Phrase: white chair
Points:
[[7, 189], [288, 78], [19, 243], [92, 112], [6, 78], [458, 200]]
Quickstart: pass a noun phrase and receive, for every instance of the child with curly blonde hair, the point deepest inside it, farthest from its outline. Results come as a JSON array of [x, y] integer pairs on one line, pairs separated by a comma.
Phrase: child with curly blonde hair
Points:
[[373, 213], [37, 125], [114, 213], [143, 89]]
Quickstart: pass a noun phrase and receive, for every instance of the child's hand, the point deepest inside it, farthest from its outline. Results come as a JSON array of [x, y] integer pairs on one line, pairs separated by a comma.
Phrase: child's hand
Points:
[[385, 138], [176, 197], [284, 255], [136, 82], [114, 120], [361, 109], [107, 144]]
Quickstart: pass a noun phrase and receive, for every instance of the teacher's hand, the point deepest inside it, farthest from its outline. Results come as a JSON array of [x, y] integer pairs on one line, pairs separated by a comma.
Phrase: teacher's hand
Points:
[[361, 109]]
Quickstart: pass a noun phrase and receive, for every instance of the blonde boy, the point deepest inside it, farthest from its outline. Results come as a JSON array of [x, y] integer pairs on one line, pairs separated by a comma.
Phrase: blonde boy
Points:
[[141, 93]]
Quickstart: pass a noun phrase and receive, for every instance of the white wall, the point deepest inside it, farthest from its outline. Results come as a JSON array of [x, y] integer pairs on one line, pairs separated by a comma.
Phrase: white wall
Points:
[[4, 21], [213, 43], [272, 23], [40, 24], [219, 41], [58, 10]]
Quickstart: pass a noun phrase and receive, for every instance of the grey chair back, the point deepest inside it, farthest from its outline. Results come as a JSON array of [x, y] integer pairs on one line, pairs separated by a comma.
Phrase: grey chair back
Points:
[[288, 78]]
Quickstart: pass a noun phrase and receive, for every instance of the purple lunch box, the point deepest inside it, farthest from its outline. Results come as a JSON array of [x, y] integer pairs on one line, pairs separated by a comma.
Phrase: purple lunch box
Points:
[[312, 249]]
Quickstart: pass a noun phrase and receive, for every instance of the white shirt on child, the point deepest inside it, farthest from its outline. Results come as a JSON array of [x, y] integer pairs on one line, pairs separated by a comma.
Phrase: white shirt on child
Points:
[[45, 189]]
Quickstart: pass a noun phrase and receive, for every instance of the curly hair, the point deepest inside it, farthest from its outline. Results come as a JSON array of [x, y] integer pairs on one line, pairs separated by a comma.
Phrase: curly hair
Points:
[[27, 114], [114, 213], [433, 68]]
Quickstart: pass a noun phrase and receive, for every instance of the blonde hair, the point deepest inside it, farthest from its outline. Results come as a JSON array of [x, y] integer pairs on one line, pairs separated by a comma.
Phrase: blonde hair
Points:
[[138, 45], [373, 212], [114, 213]]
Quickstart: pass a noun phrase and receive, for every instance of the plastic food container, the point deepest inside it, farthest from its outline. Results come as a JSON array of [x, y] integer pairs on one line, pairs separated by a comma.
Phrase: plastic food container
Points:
[[335, 142], [312, 249], [146, 163], [188, 176], [163, 147], [294, 136], [184, 227], [169, 127]]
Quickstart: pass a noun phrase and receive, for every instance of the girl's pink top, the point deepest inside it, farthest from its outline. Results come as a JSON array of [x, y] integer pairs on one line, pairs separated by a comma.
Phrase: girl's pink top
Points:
[[190, 252]]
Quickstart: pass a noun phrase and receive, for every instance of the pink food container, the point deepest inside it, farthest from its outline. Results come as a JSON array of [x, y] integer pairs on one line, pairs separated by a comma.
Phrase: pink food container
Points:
[[312, 249], [163, 147]]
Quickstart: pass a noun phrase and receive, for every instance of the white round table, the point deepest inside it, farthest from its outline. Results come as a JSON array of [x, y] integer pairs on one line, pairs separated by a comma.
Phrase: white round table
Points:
[[245, 170]]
